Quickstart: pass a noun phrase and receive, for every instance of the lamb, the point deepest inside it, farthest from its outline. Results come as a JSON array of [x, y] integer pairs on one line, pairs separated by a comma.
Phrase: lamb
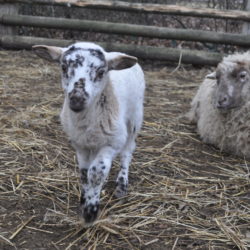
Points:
[[221, 107], [102, 114]]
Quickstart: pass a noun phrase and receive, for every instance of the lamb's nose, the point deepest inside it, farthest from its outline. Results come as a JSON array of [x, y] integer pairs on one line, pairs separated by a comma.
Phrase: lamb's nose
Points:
[[76, 101]]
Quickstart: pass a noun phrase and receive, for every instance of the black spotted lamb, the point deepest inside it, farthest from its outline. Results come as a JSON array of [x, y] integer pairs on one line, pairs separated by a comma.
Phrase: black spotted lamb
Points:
[[221, 107], [102, 113]]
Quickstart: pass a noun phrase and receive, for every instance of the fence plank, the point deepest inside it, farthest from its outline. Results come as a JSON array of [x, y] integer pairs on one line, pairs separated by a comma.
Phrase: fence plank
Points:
[[127, 29], [144, 8], [194, 57]]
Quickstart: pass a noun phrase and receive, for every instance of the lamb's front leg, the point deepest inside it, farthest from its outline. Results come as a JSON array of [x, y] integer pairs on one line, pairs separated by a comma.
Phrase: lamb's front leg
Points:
[[97, 174], [83, 158]]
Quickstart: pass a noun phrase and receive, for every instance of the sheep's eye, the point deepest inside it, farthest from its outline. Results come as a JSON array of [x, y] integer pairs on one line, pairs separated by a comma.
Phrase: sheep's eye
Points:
[[217, 80], [243, 75]]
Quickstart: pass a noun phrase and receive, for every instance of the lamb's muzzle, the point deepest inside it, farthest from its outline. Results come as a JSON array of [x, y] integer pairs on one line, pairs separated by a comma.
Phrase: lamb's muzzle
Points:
[[76, 100]]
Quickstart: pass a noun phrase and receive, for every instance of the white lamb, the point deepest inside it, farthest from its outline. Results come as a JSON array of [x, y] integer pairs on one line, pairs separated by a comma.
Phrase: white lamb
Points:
[[102, 113], [221, 107]]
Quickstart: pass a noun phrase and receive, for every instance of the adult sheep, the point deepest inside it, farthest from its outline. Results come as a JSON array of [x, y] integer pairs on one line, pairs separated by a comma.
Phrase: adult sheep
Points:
[[221, 107], [102, 113]]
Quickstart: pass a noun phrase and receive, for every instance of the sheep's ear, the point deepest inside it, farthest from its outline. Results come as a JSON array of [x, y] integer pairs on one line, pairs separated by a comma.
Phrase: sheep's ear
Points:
[[50, 53], [119, 61], [211, 75]]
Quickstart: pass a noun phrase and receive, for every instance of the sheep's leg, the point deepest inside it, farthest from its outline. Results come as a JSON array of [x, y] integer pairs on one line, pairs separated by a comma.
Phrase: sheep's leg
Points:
[[97, 174], [122, 178]]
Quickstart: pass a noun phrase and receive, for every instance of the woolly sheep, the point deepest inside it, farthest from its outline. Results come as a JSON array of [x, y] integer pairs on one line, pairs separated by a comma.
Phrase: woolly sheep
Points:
[[102, 113], [221, 107]]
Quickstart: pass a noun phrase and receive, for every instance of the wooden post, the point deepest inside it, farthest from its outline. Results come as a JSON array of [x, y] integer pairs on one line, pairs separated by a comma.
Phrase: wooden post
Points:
[[12, 9], [246, 25]]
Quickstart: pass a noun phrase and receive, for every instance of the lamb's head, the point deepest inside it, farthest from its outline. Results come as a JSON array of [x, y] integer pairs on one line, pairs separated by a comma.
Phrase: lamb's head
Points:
[[233, 84], [85, 68]]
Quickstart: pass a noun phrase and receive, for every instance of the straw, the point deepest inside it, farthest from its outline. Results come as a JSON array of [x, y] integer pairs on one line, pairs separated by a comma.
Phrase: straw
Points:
[[183, 194]]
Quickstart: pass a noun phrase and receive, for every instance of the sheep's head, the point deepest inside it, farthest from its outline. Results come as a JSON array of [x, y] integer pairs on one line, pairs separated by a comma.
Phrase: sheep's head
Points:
[[84, 68], [233, 84]]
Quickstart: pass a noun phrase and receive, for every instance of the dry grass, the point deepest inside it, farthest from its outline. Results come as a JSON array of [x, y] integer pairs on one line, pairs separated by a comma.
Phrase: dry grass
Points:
[[182, 195]]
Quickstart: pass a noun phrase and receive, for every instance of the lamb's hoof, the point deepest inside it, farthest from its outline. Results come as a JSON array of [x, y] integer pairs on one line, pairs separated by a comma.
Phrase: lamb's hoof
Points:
[[90, 212], [120, 193], [121, 188]]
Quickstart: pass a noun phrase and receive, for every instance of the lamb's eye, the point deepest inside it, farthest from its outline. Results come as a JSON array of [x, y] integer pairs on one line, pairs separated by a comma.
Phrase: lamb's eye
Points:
[[100, 73], [64, 68], [243, 75]]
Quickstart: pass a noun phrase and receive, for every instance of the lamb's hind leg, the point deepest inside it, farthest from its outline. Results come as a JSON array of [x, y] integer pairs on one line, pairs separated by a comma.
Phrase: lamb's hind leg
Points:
[[122, 178]]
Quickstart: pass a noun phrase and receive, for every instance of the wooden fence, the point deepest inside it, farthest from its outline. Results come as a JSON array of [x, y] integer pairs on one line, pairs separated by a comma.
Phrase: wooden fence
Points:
[[12, 19]]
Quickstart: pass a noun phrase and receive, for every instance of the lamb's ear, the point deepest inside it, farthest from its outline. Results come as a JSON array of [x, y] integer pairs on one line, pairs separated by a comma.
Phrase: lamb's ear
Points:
[[50, 53], [119, 61], [211, 75]]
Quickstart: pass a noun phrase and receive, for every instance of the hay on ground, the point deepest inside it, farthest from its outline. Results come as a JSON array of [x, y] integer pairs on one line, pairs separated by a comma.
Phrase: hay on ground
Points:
[[183, 194]]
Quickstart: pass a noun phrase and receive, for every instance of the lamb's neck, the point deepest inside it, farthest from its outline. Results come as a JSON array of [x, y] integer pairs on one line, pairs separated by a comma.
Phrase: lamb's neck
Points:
[[106, 105]]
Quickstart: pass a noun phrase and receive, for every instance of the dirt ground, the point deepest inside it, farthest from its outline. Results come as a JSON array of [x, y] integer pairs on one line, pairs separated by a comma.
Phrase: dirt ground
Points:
[[183, 194]]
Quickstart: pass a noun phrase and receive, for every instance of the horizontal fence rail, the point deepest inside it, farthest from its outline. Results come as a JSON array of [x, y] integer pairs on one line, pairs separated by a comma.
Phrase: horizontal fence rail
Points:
[[144, 52], [127, 29], [144, 8]]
